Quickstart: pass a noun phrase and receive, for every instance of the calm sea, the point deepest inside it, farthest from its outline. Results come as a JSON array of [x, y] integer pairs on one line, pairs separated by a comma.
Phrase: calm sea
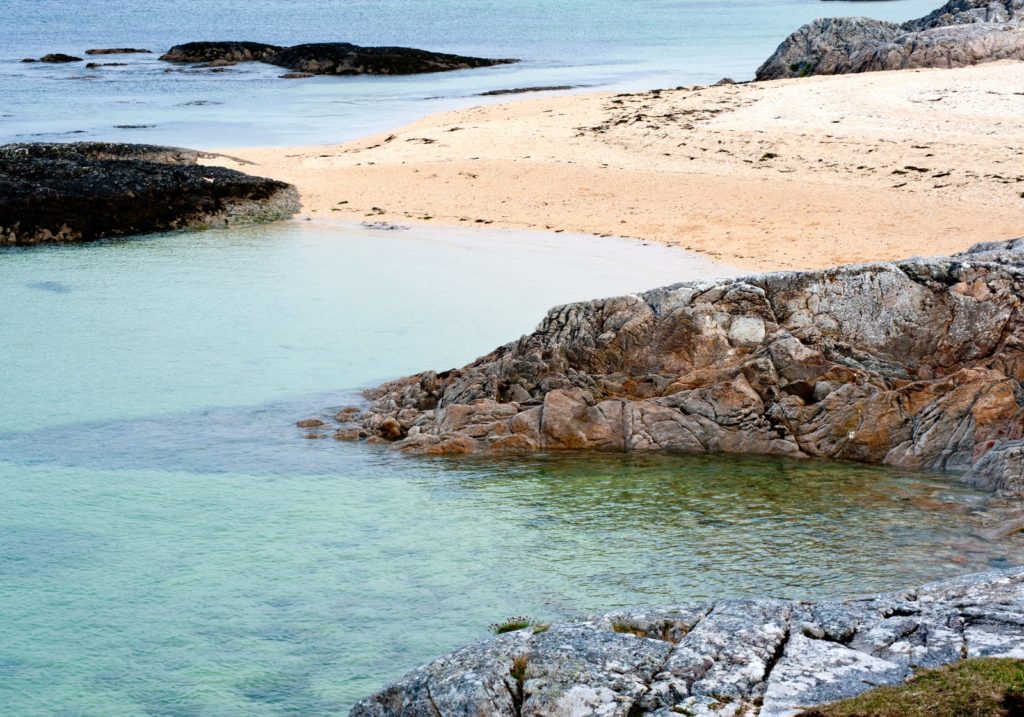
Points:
[[594, 43]]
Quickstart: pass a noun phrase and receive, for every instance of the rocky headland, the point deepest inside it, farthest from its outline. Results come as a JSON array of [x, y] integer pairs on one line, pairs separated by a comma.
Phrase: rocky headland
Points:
[[86, 191], [915, 363], [960, 33], [327, 58], [726, 658]]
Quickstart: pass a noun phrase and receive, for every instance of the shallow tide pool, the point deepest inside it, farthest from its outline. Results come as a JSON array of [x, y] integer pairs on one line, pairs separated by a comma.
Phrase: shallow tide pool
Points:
[[170, 545]]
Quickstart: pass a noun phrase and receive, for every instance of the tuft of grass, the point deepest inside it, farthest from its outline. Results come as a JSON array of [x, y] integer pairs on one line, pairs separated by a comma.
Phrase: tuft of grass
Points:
[[518, 669], [511, 624], [541, 627], [981, 687]]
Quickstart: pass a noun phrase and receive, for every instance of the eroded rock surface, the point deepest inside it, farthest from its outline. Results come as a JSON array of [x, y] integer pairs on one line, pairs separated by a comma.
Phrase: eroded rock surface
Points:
[[749, 657], [85, 191], [960, 33], [328, 58], [917, 363]]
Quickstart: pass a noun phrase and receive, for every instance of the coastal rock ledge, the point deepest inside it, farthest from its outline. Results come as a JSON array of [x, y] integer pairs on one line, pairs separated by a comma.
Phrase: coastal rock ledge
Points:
[[89, 190], [917, 363], [730, 657]]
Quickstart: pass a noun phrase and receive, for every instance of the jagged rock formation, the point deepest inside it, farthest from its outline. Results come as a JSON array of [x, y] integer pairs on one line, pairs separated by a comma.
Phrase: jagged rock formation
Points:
[[917, 363], [960, 33], [89, 190], [328, 58], [730, 657]]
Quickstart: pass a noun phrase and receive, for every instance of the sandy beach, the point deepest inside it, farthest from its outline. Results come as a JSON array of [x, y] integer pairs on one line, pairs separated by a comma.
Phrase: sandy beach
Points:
[[789, 174]]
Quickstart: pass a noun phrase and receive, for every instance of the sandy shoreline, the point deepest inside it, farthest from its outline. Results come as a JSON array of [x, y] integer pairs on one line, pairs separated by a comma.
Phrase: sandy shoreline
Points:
[[788, 174]]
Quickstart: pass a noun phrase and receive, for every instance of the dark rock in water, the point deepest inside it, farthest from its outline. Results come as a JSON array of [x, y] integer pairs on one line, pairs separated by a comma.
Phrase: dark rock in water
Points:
[[85, 191], [96, 65], [327, 58], [58, 57], [917, 363], [718, 658], [297, 75], [28, 59], [118, 51], [342, 58], [221, 51], [522, 90], [960, 33]]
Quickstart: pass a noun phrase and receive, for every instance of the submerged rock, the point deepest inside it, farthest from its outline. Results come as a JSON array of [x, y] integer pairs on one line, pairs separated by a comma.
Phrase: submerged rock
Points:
[[960, 33], [524, 90], [328, 58], [118, 51], [916, 363], [727, 657], [89, 190]]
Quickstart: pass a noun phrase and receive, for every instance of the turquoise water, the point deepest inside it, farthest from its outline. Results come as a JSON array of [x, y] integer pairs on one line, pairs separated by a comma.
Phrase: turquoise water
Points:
[[170, 545], [594, 43]]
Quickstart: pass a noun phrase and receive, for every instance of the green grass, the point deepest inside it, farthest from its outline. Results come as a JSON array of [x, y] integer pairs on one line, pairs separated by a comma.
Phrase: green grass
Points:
[[982, 687], [518, 669], [511, 624]]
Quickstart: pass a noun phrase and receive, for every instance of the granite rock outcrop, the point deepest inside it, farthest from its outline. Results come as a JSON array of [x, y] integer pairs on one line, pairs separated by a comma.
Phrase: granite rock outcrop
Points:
[[721, 658], [85, 191], [960, 33], [917, 363]]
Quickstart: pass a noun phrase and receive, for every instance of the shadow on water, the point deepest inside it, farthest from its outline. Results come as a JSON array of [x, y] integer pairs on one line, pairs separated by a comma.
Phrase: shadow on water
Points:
[[54, 287], [252, 440]]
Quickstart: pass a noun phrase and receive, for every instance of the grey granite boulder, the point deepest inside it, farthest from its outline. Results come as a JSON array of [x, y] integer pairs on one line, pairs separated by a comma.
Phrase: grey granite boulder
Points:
[[755, 657], [915, 363], [960, 33], [89, 190]]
